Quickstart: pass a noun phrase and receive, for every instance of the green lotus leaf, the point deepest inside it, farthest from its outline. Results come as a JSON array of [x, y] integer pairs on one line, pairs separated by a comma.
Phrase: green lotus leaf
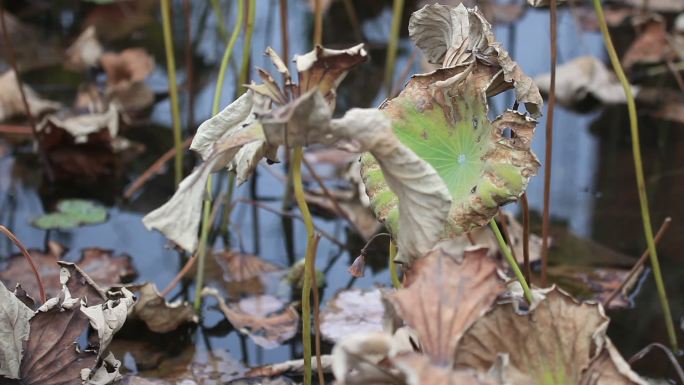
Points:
[[72, 213], [442, 117]]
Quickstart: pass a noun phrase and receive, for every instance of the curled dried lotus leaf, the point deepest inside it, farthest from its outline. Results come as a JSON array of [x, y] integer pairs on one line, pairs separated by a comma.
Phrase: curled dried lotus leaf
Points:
[[442, 117], [454, 36], [563, 339]]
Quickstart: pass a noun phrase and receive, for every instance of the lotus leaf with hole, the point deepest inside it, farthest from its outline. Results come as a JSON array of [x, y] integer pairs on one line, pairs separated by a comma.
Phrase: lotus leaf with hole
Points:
[[442, 116]]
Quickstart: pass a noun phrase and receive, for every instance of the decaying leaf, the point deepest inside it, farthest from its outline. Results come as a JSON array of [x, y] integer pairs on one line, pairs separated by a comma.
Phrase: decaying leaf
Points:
[[11, 104], [128, 66], [85, 51], [52, 355], [263, 318], [101, 265], [72, 213], [352, 311], [81, 127], [423, 198], [244, 274], [651, 45], [159, 315], [444, 294], [594, 283], [442, 117], [453, 36], [14, 331], [361, 359], [419, 370], [583, 82], [563, 338], [292, 366], [360, 217], [179, 218]]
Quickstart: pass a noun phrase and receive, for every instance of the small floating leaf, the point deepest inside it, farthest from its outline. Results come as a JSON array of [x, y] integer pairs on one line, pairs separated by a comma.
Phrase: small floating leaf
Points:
[[72, 213]]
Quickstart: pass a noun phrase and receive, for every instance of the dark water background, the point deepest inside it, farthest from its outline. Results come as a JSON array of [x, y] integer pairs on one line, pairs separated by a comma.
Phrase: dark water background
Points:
[[593, 185]]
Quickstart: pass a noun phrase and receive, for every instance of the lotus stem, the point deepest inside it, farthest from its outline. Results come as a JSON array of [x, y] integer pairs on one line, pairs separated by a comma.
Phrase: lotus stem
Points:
[[639, 170], [297, 156], [318, 23], [511, 261], [246, 48], [317, 320], [173, 88], [526, 237], [220, 24], [206, 210], [202, 249], [548, 152], [226, 57], [397, 12], [393, 266]]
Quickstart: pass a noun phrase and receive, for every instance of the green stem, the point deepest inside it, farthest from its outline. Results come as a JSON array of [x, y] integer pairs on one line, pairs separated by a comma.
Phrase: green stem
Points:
[[202, 249], [639, 170], [220, 24], [247, 47], [226, 57], [206, 212], [397, 12], [308, 268], [511, 261], [173, 88], [393, 266]]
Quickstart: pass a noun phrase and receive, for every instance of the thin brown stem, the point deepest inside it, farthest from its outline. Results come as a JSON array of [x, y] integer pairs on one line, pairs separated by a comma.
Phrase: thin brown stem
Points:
[[640, 263], [186, 268], [317, 322], [526, 237], [153, 169], [32, 120], [670, 356], [548, 153], [26, 254], [284, 35], [326, 192], [260, 205], [318, 22]]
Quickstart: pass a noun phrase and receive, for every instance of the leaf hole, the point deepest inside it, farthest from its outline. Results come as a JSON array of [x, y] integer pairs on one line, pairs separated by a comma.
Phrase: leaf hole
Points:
[[508, 133]]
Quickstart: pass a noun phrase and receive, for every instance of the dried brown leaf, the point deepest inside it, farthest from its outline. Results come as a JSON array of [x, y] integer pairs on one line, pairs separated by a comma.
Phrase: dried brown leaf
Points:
[[352, 311], [444, 295], [263, 318], [101, 265], [159, 315]]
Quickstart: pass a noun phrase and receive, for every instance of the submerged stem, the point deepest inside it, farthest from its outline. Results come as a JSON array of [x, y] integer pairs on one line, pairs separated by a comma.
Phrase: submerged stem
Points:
[[397, 12], [639, 170], [308, 260], [511, 261], [173, 88], [393, 266]]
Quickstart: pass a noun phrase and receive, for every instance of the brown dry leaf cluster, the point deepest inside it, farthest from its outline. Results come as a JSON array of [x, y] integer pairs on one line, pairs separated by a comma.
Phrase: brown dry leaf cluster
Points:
[[159, 315], [46, 350], [461, 325], [265, 319], [101, 265]]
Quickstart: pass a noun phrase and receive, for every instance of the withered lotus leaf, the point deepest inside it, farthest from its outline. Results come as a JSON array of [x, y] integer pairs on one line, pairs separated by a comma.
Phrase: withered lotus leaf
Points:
[[266, 320], [444, 295], [101, 265], [563, 339], [14, 330], [159, 315]]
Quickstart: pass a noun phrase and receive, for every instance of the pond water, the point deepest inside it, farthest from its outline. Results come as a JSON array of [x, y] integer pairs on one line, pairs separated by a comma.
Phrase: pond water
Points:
[[593, 191]]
